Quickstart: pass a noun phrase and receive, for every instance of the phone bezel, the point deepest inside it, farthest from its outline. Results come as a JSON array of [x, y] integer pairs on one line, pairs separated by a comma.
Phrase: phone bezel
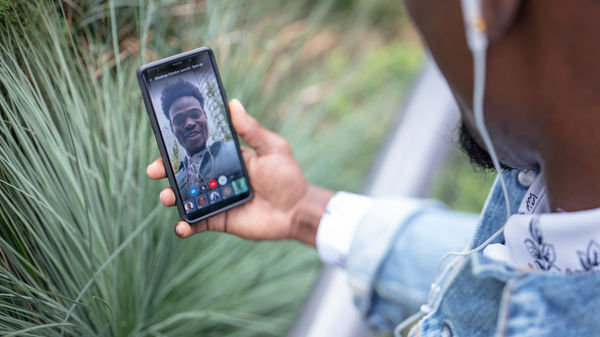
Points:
[[141, 76]]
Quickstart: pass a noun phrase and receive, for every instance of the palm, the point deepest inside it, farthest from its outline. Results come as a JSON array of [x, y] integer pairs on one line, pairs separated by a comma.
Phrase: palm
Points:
[[278, 186]]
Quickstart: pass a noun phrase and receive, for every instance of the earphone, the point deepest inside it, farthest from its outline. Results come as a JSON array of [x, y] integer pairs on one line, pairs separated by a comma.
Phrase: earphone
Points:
[[477, 42], [475, 26]]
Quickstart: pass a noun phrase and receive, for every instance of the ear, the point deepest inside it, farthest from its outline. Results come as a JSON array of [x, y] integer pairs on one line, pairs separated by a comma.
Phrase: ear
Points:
[[499, 16]]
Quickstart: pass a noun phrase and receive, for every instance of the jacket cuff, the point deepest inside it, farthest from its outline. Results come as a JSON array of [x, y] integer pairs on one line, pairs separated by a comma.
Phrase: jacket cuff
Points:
[[338, 224], [378, 226]]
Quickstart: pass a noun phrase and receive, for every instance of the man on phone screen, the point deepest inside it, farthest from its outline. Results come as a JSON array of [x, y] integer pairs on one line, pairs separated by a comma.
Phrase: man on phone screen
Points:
[[183, 105]]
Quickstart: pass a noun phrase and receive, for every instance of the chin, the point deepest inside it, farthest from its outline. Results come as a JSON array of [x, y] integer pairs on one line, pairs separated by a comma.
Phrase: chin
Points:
[[196, 147]]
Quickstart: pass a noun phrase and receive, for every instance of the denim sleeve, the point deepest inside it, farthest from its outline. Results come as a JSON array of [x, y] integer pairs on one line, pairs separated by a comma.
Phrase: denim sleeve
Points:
[[393, 257]]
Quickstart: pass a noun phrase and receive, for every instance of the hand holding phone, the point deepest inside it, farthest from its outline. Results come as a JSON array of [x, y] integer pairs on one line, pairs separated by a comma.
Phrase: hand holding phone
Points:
[[284, 206]]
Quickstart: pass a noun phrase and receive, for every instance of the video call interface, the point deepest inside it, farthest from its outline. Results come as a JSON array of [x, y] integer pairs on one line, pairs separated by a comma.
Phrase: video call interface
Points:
[[193, 123]]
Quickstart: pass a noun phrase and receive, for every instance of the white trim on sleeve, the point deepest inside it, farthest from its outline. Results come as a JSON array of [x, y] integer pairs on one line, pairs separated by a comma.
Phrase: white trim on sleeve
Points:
[[338, 224]]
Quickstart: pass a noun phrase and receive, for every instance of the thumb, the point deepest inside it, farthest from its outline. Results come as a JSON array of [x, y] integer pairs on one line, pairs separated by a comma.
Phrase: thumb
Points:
[[253, 133]]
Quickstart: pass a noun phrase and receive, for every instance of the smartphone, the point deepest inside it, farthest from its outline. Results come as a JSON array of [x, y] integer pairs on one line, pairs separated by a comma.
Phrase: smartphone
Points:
[[187, 107]]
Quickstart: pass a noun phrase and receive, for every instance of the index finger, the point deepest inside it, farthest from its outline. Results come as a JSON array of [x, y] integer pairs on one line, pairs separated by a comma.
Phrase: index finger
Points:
[[156, 170]]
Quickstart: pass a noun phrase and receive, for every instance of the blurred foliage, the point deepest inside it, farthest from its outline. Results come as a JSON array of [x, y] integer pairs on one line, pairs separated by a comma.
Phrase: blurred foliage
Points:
[[8, 12], [460, 185], [85, 247]]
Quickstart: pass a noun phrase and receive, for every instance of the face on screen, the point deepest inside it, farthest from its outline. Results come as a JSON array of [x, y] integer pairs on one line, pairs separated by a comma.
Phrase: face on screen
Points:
[[190, 111], [189, 123]]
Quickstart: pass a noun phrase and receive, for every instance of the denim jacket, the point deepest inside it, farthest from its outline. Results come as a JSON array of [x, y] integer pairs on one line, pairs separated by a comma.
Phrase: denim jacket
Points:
[[479, 296]]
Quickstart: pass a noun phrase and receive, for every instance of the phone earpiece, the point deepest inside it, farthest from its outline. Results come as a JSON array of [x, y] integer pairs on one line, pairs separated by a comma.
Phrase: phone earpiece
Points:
[[475, 25]]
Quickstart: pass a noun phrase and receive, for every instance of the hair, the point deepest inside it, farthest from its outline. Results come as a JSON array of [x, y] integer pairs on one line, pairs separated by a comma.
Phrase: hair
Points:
[[478, 156], [176, 90]]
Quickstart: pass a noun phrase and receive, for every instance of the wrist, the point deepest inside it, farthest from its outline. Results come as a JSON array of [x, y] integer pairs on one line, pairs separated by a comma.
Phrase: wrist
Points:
[[308, 214]]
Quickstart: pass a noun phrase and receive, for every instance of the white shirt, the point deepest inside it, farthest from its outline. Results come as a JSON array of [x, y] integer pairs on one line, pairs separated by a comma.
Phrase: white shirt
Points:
[[194, 164]]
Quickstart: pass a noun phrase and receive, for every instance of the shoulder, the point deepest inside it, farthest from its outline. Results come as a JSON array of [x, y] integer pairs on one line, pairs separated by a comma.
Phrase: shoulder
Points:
[[226, 157], [220, 148]]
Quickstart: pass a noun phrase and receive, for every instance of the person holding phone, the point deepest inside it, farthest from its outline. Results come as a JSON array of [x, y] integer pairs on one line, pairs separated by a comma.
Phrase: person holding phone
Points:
[[539, 277]]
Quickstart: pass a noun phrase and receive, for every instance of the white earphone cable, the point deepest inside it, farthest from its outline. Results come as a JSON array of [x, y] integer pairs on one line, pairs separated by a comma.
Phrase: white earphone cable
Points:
[[477, 42]]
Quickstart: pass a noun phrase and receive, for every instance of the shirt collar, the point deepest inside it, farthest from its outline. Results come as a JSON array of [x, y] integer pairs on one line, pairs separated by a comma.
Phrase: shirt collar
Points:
[[535, 200], [535, 239], [196, 157]]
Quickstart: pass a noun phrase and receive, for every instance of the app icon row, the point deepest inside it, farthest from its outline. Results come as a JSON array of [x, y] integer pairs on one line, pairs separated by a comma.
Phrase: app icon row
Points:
[[212, 184], [205, 199], [215, 194]]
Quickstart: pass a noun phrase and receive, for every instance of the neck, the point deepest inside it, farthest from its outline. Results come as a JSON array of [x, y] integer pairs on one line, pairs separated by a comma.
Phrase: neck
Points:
[[191, 154], [572, 172]]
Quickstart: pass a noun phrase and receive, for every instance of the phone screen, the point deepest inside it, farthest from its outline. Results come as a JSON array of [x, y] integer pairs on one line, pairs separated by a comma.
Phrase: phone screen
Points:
[[191, 115]]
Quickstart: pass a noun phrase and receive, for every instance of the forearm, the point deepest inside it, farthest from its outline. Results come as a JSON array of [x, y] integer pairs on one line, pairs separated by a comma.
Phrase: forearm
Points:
[[306, 219]]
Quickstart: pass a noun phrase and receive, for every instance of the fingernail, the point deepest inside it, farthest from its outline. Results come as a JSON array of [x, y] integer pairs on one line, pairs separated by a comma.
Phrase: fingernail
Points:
[[162, 194], [179, 230]]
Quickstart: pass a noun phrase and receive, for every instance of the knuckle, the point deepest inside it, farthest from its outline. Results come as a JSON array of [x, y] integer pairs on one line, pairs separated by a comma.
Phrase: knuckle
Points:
[[209, 225], [282, 144], [214, 225], [200, 227]]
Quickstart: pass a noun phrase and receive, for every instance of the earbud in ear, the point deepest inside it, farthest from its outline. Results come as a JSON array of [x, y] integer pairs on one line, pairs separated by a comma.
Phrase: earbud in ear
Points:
[[475, 25]]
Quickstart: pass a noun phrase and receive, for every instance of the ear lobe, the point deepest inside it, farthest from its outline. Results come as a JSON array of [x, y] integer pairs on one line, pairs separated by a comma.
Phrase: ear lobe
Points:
[[499, 16]]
